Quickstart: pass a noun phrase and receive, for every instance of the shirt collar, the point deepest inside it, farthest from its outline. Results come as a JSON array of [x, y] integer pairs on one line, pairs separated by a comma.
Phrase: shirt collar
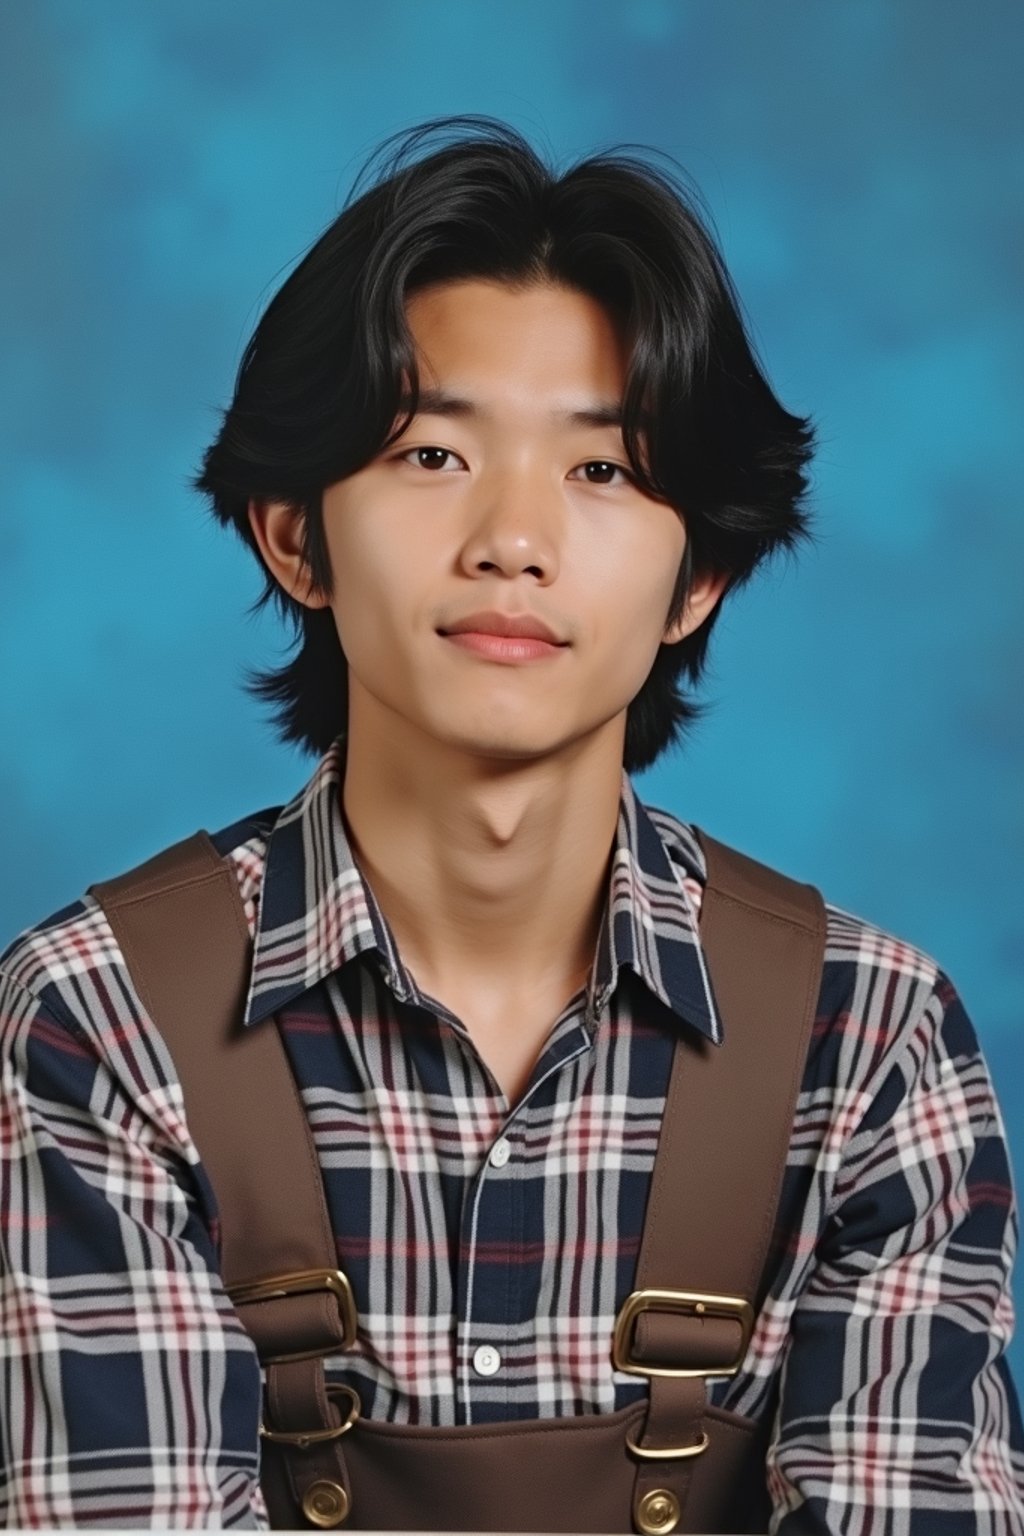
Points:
[[650, 923], [316, 912]]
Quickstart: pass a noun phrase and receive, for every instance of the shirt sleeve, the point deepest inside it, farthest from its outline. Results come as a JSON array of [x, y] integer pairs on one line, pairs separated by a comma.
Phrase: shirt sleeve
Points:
[[897, 1412], [129, 1392]]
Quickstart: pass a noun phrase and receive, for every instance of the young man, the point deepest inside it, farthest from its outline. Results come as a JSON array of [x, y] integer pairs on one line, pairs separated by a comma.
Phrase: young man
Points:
[[502, 449]]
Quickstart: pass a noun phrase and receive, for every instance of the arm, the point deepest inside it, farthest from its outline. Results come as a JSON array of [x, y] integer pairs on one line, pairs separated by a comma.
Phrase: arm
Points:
[[129, 1393], [897, 1412]]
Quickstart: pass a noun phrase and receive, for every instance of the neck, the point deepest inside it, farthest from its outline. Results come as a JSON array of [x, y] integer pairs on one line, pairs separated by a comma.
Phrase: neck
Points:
[[492, 874]]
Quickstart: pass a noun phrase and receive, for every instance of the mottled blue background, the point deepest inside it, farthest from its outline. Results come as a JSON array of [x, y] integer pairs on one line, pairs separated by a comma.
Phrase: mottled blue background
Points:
[[164, 164]]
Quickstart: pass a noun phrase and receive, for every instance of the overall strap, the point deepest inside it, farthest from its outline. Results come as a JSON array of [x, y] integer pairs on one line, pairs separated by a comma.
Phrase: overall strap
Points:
[[181, 927], [714, 1189], [719, 1167]]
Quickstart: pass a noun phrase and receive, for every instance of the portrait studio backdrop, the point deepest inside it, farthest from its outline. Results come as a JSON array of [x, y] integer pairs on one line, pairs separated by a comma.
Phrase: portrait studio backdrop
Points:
[[163, 166]]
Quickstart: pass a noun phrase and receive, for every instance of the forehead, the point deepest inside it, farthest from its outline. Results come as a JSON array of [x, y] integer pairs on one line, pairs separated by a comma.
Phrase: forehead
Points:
[[540, 344]]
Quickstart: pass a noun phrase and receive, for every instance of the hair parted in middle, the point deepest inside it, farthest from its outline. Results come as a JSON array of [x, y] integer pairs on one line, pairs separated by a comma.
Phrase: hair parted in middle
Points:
[[321, 383]]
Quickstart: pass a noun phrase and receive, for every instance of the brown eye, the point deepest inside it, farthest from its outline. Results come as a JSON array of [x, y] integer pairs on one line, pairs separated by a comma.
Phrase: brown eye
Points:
[[432, 458], [603, 472], [429, 456]]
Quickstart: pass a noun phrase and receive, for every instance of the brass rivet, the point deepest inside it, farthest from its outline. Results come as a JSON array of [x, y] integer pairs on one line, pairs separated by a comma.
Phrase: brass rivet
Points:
[[325, 1504], [658, 1512], [700, 1309]]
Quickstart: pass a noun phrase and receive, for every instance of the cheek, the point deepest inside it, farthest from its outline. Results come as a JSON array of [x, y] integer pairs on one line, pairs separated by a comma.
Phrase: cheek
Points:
[[634, 569], [378, 580], [660, 573]]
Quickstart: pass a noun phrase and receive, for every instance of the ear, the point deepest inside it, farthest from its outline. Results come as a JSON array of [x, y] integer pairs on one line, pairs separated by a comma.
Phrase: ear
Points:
[[278, 528], [706, 589]]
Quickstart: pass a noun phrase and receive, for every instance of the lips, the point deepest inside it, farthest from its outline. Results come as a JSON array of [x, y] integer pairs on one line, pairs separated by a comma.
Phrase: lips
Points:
[[515, 626]]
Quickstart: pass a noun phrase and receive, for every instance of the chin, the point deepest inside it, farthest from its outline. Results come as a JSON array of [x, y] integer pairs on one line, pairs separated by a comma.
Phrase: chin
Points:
[[506, 751], [521, 741], [503, 746]]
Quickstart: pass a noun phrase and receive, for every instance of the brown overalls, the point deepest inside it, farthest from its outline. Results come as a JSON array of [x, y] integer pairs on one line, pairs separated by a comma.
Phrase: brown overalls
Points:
[[669, 1464]]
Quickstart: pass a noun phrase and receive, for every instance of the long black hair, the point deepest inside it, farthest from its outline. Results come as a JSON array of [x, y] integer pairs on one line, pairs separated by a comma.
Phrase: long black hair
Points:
[[321, 381]]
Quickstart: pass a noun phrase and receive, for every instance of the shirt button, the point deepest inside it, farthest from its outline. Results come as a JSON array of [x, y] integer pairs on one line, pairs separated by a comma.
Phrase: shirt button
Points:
[[486, 1360], [500, 1153]]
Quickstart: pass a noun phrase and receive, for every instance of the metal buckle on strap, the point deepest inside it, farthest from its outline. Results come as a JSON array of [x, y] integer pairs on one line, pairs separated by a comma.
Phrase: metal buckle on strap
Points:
[[695, 1304], [673, 1453], [299, 1283], [307, 1437]]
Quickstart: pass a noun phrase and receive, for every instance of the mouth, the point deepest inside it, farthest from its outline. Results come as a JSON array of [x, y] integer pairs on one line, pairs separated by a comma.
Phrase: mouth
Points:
[[495, 635], [503, 648]]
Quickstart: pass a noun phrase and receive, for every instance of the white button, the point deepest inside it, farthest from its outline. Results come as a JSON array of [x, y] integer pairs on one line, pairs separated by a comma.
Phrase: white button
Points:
[[500, 1153], [486, 1360]]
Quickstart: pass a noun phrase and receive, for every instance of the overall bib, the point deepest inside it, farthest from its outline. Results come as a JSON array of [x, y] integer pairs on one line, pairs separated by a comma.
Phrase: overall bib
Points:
[[669, 1464]]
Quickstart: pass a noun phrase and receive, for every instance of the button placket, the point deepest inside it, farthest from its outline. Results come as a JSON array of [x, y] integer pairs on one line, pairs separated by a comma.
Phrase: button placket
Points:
[[484, 1302]]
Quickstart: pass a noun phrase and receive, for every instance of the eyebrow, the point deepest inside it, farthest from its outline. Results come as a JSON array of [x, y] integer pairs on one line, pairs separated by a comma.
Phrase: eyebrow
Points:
[[438, 402]]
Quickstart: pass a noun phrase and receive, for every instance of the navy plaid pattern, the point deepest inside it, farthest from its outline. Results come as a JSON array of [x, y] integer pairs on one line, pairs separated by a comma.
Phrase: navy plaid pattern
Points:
[[129, 1394]]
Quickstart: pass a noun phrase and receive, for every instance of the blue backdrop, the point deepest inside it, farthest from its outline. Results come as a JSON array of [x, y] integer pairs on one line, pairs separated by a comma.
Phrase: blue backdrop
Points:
[[164, 164]]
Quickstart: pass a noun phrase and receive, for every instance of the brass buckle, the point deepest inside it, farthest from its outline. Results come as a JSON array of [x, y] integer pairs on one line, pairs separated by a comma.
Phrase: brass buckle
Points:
[[692, 1304], [306, 1437], [299, 1283], [675, 1453]]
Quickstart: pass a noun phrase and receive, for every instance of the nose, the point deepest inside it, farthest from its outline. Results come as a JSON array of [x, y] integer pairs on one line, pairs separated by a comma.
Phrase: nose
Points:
[[513, 529]]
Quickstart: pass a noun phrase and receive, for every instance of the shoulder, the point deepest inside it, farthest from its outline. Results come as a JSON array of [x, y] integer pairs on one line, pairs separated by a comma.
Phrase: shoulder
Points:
[[851, 940], [68, 969], [879, 992]]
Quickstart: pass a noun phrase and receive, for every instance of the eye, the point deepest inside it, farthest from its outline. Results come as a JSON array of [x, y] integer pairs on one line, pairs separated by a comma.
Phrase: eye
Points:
[[602, 472], [430, 457]]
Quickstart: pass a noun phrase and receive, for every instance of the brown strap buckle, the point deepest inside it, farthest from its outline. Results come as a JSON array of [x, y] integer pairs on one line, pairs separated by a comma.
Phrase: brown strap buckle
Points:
[[300, 1283], [695, 1304], [672, 1453], [306, 1437]]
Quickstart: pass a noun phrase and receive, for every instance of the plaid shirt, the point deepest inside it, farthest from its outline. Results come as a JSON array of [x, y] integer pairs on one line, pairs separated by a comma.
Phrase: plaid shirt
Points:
[[129, 1393]]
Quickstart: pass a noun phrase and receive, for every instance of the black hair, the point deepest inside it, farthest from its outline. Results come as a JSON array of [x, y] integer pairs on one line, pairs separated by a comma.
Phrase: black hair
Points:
[[320, 383]]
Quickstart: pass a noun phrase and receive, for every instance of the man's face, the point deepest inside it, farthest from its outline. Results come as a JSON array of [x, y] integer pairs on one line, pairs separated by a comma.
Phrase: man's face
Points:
[[509, 494]]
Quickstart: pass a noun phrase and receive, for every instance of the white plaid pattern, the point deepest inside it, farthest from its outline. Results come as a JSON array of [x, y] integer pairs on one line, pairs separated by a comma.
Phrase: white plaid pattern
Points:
[[132, 1393]]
